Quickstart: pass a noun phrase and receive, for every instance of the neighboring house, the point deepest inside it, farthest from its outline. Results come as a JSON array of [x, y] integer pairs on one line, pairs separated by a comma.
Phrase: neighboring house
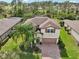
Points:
[[6, 26], [47, 29], [73, 26]]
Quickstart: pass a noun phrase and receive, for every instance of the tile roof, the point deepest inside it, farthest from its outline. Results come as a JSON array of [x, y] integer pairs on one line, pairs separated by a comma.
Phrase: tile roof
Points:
[[73, 24], [49, 23], [42, 22], [39, 20], [8, 23]]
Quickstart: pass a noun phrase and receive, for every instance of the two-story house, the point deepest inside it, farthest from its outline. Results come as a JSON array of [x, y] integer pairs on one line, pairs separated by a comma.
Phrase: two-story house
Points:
[[48, 30]]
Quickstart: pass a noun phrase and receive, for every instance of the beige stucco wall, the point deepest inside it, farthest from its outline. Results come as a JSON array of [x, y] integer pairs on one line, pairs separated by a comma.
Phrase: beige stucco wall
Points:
[[51, 35], [65, 25]]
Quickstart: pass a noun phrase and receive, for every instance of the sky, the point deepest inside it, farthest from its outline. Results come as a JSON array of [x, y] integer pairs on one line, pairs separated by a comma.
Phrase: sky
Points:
[[75, 1]]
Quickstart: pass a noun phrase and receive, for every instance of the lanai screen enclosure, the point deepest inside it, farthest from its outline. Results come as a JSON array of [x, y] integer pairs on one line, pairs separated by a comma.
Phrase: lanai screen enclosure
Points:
[[6, 27]]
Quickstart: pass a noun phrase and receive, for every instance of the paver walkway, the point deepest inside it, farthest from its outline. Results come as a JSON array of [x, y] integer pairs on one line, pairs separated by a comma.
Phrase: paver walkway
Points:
[[49, 51]]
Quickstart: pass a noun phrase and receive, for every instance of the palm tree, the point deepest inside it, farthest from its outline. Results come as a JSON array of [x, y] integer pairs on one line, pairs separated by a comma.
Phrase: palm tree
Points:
[[27, 32]]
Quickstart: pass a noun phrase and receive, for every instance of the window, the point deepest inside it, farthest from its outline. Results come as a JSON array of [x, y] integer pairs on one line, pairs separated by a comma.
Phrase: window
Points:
[[50, 30]]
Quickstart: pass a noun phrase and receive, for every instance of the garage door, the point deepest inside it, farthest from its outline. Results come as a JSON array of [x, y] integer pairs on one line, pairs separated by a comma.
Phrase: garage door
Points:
[[49, 40]]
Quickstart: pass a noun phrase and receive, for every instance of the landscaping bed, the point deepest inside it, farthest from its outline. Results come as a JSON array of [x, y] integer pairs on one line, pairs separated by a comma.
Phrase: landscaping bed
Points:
[[11, 50]]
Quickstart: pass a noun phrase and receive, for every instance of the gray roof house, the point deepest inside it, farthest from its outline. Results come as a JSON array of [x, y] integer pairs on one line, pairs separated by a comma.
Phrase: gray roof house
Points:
[[74, 28], [6, 26]]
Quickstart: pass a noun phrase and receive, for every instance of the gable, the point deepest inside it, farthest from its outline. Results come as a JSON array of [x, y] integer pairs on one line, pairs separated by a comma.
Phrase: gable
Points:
[[48, 24], [49, 27]]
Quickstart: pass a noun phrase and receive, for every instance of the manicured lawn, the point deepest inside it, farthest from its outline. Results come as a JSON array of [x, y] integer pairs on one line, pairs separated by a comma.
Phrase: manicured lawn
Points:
[[11, 44], [70, 50], [13, 51]]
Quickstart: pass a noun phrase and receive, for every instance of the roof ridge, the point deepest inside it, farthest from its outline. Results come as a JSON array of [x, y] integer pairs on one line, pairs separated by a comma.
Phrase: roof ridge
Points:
[[49, 20]]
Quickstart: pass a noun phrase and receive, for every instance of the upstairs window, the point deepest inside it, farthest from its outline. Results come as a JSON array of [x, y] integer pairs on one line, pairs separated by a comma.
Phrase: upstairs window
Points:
[[50, 30]]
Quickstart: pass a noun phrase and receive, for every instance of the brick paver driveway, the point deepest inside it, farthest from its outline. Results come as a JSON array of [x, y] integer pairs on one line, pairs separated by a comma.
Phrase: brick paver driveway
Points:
[[49, 51]]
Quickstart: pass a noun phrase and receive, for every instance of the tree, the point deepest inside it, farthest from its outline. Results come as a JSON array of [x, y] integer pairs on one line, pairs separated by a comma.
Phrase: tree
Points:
[[27, 32], [1, 10], [3, 3], [17, 9]]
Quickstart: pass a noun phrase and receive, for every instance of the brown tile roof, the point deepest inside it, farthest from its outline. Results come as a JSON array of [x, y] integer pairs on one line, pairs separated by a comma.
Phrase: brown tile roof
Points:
[[73, 24], [8, 23], [42, 22], [39, 20], [49, 23]]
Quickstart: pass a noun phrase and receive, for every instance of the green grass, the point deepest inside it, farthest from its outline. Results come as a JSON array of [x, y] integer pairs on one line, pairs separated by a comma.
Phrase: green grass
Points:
[[12, 47], [11, 44], [30, 56], [71, 50]]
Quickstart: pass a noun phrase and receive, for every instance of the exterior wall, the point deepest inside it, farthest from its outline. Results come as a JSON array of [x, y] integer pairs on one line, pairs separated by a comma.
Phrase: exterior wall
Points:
[[75, 34], [68, 27], [50, 40], [65, 25], [51, 35]]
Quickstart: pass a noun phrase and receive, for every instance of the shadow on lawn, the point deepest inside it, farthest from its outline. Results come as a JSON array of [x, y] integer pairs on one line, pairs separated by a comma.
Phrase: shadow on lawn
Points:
[[29, 49], [27, 56], [28, 52], [62, 48]]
